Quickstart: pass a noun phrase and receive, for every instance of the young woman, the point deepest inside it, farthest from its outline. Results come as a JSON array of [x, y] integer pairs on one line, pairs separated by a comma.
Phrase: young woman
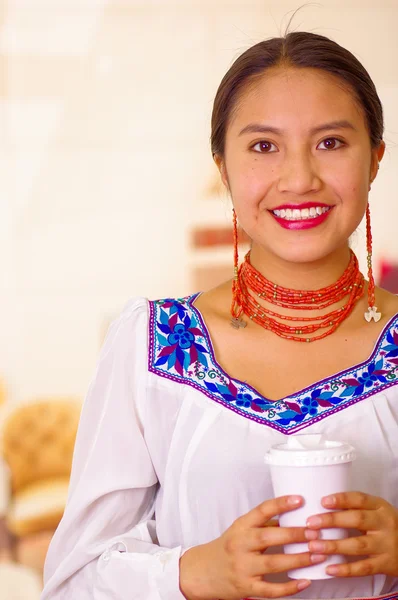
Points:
[[170, 497]]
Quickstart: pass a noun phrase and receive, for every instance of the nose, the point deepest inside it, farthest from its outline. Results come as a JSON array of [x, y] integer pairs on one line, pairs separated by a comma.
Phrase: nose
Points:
[[298, 175]]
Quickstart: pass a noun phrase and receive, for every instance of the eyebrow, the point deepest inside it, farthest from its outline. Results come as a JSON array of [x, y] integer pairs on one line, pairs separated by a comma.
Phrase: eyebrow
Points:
[[258, 128]]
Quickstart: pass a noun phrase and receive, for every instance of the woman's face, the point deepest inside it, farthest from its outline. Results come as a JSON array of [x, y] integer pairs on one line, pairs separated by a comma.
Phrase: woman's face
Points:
[[309, 165]]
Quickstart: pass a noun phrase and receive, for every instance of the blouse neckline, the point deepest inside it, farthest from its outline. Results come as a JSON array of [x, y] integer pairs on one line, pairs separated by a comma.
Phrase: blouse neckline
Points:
[[187, 355], [191, 299]]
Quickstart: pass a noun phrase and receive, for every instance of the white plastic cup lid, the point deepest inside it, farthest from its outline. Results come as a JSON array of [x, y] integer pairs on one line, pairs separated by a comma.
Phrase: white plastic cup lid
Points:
[[310, 450]]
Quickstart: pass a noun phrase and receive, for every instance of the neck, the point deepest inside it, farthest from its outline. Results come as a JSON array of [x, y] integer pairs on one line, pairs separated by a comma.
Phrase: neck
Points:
[[300, 276]]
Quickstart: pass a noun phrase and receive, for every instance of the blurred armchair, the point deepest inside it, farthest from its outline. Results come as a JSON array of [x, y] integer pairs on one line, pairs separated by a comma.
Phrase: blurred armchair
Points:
[[38, 442]]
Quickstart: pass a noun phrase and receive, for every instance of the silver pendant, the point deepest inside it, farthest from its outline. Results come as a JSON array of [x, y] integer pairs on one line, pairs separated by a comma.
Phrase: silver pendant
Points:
[[237, 323], [372, 314]]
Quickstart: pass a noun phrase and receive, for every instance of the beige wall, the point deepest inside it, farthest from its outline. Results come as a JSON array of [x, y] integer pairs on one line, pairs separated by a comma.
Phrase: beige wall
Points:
[[105, 161]]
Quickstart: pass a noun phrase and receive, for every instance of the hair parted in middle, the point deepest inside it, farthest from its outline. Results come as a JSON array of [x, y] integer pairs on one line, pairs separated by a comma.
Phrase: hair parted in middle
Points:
[[298, 49]]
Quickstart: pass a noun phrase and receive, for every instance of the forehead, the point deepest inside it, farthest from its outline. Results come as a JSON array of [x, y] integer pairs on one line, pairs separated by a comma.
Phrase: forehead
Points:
[[296, 98]]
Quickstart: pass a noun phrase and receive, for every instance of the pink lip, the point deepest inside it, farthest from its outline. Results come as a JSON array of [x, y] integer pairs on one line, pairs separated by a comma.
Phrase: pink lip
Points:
[[300, 206], [304, 224]]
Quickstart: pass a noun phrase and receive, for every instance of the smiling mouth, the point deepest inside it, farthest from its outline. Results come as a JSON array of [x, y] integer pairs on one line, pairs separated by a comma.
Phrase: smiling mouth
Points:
[[303, 214]]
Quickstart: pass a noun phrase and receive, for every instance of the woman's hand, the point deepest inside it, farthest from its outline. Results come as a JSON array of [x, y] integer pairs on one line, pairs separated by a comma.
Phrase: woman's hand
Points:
[[233, 566], [379, 543]]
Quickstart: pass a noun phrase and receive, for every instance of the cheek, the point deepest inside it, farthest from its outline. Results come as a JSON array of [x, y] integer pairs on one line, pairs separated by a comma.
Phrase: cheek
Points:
[[359, 191], [250, 183], [350, 186], [354, 196]]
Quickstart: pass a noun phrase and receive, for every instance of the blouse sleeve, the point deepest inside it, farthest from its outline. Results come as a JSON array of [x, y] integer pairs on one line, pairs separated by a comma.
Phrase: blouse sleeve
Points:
[[105, 545]]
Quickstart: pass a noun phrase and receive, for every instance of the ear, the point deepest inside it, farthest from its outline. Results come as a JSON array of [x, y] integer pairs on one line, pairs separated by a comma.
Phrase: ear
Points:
[[221, 167], [377, 155]]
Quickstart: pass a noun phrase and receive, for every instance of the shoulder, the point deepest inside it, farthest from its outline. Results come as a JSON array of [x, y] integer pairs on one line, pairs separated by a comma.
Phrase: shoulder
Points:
[[127, 328], [134, 310], [172, 303], [133, 306], [139, 310], [143, 314]]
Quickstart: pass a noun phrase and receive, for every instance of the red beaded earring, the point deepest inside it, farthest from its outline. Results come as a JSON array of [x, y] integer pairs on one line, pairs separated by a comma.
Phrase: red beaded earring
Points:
[[372, 309], [236, 321], [236, 252]]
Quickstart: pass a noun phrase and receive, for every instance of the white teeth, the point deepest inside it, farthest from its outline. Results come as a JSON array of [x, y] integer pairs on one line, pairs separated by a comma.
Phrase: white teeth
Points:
[[297, 214]]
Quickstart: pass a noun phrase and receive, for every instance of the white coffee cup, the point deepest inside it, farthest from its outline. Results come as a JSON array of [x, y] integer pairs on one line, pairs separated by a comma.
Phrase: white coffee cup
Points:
[[310, 466]]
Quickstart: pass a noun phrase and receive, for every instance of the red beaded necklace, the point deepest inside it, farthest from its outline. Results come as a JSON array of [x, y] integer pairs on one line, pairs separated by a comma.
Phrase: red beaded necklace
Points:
[[249, 284]]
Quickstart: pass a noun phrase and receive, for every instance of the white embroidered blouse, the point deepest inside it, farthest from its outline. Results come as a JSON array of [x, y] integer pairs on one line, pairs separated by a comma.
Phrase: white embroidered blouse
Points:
[[170, 451]]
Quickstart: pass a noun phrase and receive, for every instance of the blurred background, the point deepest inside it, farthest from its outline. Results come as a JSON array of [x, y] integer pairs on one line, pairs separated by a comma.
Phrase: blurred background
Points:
[[108, 191]]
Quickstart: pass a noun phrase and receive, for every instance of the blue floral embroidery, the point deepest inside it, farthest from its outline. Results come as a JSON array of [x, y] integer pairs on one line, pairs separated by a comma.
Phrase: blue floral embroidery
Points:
[[181, 336], [180, 349], [310, 406], [243, 400]]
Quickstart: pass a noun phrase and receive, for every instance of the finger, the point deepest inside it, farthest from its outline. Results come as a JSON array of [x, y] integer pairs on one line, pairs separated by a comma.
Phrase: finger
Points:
[[364, 520], [265, 511], [265, 564], [287, 535], [360, 568], [263, 589], [354, 546], [272, 523], [261, 538], [359, 500]]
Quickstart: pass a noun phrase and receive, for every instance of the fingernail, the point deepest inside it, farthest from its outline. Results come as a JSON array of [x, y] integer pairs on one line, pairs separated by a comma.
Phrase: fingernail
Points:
[[317, 558], [317, 546], [314, 522], [329, 501], [311, 534], [294, 500], [332, 570], [302, 584]]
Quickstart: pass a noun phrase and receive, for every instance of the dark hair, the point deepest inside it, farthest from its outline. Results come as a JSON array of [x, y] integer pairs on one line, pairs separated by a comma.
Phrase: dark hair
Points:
[[295, 49]]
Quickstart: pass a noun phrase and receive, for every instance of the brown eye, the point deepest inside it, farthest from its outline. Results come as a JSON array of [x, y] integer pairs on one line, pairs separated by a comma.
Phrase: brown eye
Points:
[[263, 147], [330, 143]]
